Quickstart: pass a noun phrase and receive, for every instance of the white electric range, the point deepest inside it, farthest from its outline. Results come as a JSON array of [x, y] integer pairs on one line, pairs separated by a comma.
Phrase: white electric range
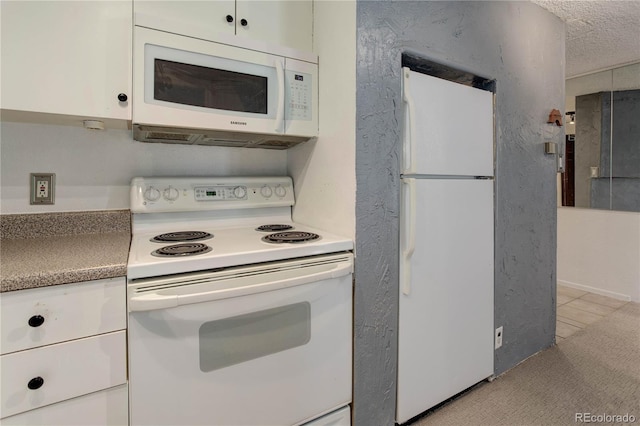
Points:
[[237, 315]]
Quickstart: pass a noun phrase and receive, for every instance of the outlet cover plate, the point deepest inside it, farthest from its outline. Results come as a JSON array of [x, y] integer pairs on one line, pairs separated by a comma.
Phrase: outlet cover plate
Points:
[[498, 338], [50, 182]]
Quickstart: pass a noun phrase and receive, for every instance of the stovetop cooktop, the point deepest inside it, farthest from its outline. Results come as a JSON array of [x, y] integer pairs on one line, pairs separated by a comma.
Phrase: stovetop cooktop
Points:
[[188, 224], [230, 246]]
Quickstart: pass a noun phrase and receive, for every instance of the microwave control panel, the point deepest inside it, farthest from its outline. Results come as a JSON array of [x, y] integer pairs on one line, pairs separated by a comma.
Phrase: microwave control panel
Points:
[[298, 93]]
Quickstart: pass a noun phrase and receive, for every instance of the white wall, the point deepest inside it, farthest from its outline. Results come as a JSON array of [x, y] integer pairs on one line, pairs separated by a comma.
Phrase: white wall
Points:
[[93, 168], [324, 170], [599, 251]]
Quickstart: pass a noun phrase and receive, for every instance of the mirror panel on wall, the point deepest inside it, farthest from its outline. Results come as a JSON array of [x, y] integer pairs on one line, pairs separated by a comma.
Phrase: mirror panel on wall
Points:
[[603, 140], [625, 148]]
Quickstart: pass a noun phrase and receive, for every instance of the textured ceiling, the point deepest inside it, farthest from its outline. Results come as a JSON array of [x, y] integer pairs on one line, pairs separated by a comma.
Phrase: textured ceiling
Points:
[[600, 34]]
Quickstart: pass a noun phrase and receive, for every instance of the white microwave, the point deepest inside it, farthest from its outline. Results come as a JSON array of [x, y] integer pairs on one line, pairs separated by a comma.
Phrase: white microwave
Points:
[[193, 91]]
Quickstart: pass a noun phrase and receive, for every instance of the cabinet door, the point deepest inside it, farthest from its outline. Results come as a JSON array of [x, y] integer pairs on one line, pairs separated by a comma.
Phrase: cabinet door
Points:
[[194, 18], [67, 57], [286, 23]]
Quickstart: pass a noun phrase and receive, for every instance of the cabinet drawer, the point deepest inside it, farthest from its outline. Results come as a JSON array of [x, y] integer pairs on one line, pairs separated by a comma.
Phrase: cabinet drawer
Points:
[[105, 408], [66, 370], [69, 311]]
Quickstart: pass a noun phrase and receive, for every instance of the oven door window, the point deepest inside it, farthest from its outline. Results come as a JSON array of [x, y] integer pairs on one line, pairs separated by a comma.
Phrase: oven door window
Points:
[[234, 340], [205, 87]]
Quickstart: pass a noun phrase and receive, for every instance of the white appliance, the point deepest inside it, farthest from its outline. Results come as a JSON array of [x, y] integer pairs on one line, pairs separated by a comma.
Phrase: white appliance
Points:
[[445, 335], [252, 329], [193, 91]]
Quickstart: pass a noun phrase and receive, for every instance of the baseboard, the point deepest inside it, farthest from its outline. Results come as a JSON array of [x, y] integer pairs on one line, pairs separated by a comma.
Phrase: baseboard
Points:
[[596, 290]]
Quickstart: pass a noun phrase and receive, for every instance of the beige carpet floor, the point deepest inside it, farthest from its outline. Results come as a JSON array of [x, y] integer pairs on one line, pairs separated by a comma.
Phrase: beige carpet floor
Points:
[[596, 371]]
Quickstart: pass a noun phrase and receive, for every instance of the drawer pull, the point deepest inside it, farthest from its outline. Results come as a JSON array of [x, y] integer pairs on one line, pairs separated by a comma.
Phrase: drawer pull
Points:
[[36, 321], [35, 383]]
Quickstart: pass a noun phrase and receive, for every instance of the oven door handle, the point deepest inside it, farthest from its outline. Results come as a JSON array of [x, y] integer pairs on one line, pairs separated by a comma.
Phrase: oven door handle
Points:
[[170, 298]]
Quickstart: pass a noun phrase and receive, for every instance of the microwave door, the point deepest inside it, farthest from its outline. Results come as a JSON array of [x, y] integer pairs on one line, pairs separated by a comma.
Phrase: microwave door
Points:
[[194, 84]]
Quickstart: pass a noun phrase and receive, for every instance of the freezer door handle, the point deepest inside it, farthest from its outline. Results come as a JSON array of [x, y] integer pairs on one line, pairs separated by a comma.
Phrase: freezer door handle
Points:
[[408, 226], [166, 298], [409, 146]]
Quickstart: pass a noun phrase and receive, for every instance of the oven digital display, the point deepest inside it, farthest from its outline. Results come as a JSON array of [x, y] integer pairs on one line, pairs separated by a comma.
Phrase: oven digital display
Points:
[[220, 193], [204, 193]]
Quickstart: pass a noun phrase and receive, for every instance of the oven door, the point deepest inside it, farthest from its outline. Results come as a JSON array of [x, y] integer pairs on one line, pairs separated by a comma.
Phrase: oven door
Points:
[[263, 345], [182, 82]]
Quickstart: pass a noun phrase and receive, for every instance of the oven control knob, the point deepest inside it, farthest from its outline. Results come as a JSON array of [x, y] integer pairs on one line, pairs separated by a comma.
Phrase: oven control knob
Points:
[[266, 191], [171, 194], [239, 192], [151, 194], [281, 191]]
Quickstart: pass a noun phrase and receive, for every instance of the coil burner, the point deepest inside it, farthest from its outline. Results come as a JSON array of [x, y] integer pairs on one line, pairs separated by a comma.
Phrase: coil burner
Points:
[[292, 237], [180, 236], [178, 250], [273, 228]]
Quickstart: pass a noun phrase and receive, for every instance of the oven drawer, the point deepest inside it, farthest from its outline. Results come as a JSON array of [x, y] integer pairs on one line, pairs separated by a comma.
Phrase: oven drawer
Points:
[[341, 417], [42, 316], [108, 407], [38, 377]]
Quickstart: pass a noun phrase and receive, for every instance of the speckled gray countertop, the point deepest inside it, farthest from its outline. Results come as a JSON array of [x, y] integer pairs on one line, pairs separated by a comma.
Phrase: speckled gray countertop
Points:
[[39, 250]]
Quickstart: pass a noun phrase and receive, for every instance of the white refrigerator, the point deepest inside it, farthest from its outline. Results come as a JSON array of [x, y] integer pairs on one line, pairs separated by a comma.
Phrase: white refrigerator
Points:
[[445, 333]]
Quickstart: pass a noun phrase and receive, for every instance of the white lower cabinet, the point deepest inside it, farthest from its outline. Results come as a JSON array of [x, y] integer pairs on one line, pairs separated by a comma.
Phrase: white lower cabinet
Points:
[[42, 316], [42, 376], [63, 356], [104, 408]]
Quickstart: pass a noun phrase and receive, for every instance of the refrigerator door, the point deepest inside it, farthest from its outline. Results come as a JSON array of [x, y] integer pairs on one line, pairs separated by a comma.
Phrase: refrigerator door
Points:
[[448, 129], [445, 334]]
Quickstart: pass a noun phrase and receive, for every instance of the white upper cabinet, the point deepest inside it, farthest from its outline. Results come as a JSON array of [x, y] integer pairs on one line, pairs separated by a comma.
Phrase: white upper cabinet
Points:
[[205, 19], [288, 23], [70, 58], [284, 22]]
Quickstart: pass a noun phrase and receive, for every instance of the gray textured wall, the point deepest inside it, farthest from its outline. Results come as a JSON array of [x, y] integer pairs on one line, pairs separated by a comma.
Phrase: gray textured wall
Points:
[[522, 47]]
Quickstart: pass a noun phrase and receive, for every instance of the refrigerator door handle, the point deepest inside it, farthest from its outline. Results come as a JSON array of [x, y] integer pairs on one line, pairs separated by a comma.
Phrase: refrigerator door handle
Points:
[[409, 146], [408, 225]]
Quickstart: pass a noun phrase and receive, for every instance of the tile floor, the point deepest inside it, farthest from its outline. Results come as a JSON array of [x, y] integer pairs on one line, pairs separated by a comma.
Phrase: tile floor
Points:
[[577, 309]]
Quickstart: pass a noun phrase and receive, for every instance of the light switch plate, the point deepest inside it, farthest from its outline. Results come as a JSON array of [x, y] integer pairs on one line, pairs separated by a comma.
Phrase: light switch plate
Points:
[[43, 188], [550, 147]]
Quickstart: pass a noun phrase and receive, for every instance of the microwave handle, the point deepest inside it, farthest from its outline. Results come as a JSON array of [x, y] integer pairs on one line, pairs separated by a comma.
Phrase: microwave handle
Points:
[[280, 111]]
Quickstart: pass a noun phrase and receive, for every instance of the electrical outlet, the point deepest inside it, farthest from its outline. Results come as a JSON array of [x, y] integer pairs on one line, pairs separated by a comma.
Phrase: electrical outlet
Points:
[[498, 339], [43, 187]]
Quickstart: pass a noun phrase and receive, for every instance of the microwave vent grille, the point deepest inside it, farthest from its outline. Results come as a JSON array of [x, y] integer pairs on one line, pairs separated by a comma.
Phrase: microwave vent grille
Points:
[[276, 144], [175, 137], [158, 134]]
